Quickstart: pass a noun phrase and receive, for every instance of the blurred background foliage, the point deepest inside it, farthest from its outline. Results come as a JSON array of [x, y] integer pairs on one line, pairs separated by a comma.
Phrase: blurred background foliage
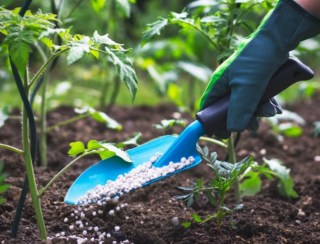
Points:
[[172, 67]]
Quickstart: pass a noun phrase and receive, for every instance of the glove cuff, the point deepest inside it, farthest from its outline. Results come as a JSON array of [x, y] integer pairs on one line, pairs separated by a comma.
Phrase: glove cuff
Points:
[[304, 12]]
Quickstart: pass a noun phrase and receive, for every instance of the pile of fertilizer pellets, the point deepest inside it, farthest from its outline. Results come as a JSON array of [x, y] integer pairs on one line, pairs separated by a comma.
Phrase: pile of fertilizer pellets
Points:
[[134, 179], [83, 227], [96, 201]]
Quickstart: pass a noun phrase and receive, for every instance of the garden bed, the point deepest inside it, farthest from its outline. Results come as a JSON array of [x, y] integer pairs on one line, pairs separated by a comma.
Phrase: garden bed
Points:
[[152, 214]]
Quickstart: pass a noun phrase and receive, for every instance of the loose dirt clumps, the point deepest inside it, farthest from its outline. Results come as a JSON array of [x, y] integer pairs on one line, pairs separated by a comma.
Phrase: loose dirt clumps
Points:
[[152, 214]]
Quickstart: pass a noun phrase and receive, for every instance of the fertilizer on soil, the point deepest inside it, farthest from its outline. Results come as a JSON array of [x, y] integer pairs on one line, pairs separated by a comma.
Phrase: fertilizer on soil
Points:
[[95, 202]]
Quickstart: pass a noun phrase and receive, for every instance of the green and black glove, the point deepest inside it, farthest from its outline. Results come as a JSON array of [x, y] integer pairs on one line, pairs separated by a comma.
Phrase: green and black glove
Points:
[[246, 73]]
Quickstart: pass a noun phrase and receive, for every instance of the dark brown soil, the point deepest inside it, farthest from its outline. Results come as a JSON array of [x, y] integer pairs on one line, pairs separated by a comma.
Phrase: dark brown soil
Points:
[[265, 218]]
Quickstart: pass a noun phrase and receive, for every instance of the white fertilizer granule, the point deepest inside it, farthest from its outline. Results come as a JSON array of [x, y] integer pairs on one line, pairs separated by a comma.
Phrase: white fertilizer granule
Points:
[[136, 178], [110, 193]]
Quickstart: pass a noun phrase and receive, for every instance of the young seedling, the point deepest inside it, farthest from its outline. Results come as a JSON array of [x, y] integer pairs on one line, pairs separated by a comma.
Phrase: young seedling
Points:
[[86, 112], [225, 175]]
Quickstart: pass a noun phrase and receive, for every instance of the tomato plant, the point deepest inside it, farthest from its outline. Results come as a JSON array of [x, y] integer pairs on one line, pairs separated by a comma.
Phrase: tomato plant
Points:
[[24, 31]]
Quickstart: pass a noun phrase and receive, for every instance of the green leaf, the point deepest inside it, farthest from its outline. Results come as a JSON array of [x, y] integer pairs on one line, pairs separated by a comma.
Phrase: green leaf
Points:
[[290, 129], [4, 187], [97, 5], [125, 69], [19, 53], [212, 18], [104, 39], [174, 92], [93, 145], [190, 200], [113, 150], [52, 31], [186, 224], [169, 123], [210, 197], [153, 29], [102, 117], [203, 3], [251, 185], [76, 148], [196, 218], [286, 184], [198, 71], [78, 49], [48, 42], [104, 154], [131, 141], [124, 7]]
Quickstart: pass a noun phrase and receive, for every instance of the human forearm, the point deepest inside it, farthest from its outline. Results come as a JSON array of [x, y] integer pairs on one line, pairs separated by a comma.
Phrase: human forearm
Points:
[[312, 6]]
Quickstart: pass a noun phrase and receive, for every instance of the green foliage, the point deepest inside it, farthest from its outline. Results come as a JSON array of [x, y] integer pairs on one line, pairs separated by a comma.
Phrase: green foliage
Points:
[[154, 29], [3, 186], [225, 175], [122, 6], [103, 149], [100, 117], [210, 32], [97, 5], [132, 141], [21, 32], [167, 124], [38, 32], [251, 184], [216, 21], [288, 124], [286, 184]]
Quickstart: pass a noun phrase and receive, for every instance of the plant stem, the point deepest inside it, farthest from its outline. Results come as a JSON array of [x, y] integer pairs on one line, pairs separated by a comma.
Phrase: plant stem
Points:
[[232, 159], [210, 217], [11, 148], [202, 33], [114, 94], [43, 125], [76, 5], [213, 141], [45, 66], [31, 178], [68, 121], [42, 191]]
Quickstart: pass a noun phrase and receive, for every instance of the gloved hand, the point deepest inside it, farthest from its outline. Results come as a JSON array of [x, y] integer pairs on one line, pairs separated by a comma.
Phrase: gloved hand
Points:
[[246, 73]]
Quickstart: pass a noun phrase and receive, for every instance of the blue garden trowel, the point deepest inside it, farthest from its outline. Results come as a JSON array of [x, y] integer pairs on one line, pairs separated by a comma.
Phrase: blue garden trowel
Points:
[[209, 121]]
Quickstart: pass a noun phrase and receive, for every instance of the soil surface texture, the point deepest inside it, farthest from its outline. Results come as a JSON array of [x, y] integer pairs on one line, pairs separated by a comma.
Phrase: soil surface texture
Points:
[[153, 214]]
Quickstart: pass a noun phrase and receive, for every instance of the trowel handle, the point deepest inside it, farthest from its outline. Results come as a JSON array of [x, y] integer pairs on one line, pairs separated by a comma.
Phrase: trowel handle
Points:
[[214, 117]]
